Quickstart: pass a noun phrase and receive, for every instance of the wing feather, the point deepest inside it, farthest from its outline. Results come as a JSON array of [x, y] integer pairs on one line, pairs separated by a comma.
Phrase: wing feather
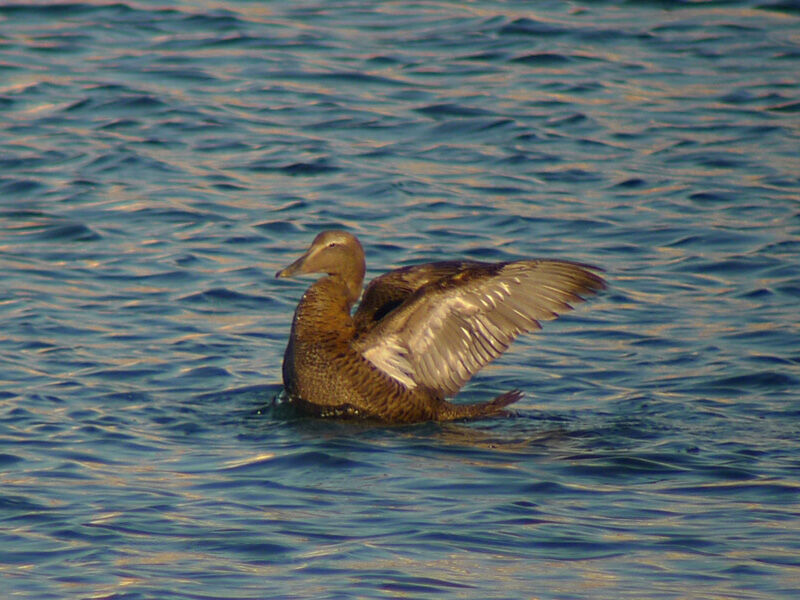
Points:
[[448, 329]]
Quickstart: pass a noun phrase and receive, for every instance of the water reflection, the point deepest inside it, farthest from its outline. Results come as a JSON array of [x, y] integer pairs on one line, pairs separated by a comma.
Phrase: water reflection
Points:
[[157, 165]]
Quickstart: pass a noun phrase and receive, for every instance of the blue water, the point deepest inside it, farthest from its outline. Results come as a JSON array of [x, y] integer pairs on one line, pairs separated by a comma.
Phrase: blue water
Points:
[[160, 161]]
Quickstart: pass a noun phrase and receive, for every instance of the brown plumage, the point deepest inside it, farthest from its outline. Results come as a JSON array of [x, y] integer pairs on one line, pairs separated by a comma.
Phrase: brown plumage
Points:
[[419, 333]]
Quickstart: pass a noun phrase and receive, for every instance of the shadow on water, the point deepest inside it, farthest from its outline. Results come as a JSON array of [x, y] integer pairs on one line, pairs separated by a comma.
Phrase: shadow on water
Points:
[[604, 449], [260, 410]]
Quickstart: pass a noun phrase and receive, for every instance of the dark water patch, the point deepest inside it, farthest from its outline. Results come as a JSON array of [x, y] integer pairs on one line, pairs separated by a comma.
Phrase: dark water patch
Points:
[[788, 7], [12, 555], [41, 226], [319, 167], [244, 240], [553, 545], [570, 121], [421, 585], [128, 159], [85, 458], [259, 551], [322, 166], [25, 163], [451, 110], [467, 127], [221, 145], [281, 227], [530, 27], [444, 153], [790, 289], [625, 468], [122, 124], [762, 337], [12, 505], [22, 187], [487, 254], [345, 77], [290, 494], [498, 190], [232, 40], [543, 59], [714, 197], [757, 294], [125, 374], [183, 73], [492, 56], [68, 472], [769, 492], [126, 103], [737, 265], [788, 107], [205, 373], [783, 247], [714, 159], [151, 523], [217, 20], [67, 9], [632, 183], [771, 359], [769, 380], [228, 187], [175, 216], [70, 232], [6, 460], [570, 175], [385, 60], [521, 158], [168, 277], [222, 297], [714, 238], [350, 123]]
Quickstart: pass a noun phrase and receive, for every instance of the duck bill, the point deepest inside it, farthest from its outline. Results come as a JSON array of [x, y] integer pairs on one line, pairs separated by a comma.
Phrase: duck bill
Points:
[[294, 268]]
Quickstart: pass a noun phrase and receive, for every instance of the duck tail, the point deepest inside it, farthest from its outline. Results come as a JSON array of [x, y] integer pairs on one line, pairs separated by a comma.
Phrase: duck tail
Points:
[[451, 412]]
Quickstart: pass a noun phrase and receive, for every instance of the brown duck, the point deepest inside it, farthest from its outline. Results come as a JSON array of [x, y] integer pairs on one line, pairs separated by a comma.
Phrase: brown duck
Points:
[[419, 333]]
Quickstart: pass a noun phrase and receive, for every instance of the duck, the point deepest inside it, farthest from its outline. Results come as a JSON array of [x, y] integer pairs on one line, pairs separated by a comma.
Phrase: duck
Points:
[[419, 333]]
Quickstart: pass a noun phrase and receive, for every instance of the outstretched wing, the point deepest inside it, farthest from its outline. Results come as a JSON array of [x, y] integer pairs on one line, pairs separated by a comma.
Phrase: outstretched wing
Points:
[[447, 330], [390, 290]]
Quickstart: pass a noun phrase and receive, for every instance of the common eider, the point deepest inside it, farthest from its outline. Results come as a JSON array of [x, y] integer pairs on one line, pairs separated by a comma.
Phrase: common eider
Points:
[[420, 332]]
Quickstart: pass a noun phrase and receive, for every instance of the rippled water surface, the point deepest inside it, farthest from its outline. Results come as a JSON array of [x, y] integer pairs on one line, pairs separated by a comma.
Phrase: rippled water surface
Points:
[[160, 161]]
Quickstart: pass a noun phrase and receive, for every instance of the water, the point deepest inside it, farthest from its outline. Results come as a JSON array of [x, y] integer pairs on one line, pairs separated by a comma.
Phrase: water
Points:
[[159, 162]]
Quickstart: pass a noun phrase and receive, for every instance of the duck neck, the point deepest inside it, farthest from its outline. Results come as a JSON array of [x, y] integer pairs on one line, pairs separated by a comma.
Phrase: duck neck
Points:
[[353, 285], [351, 277], [325, 305]]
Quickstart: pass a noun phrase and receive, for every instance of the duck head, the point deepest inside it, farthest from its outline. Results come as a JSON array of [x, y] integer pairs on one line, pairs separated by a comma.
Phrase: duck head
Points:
[[337, 253]]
